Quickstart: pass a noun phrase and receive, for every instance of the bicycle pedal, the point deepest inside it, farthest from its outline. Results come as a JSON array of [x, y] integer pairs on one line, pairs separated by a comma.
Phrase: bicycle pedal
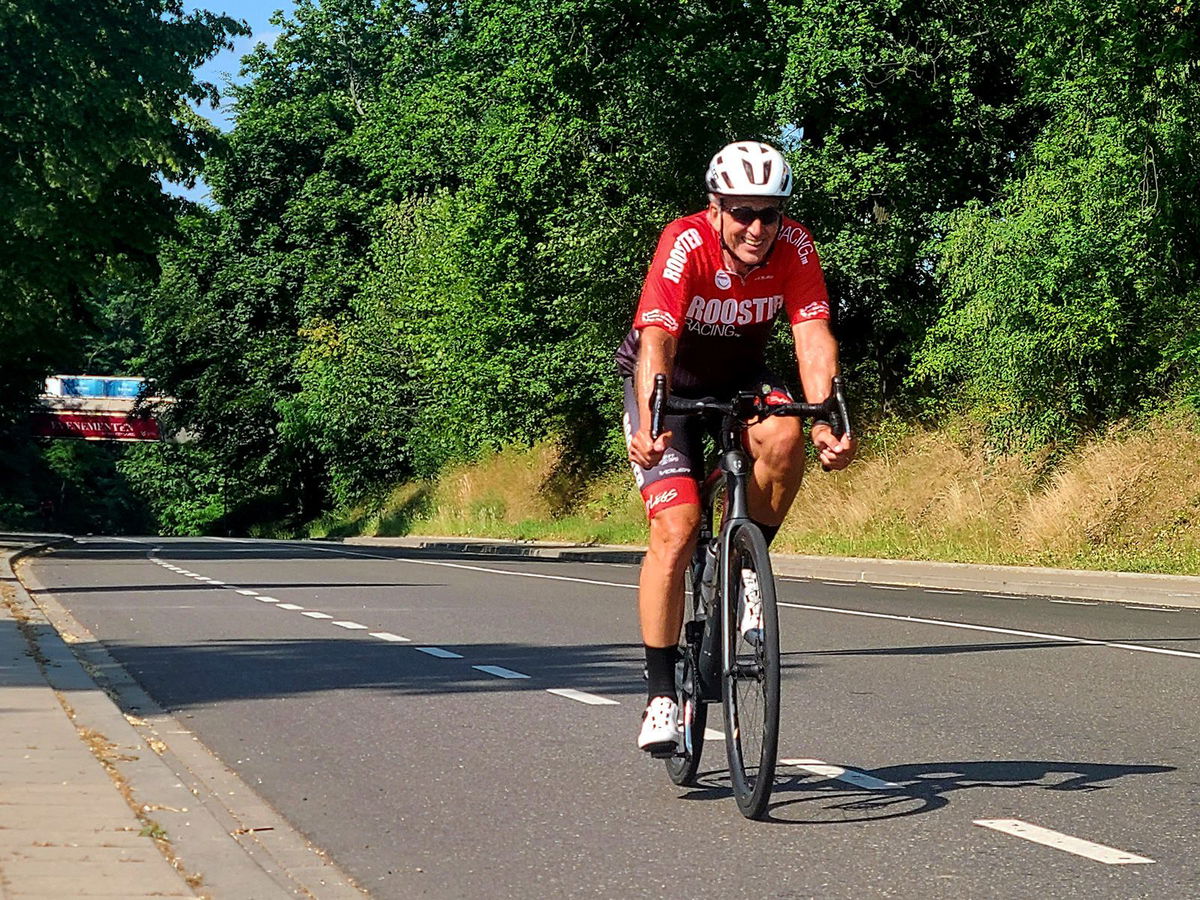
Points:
[[667, 751]]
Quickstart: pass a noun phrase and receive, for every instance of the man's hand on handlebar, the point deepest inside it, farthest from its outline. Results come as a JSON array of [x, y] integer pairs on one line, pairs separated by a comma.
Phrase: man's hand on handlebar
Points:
[[647, 451], [833, 452]]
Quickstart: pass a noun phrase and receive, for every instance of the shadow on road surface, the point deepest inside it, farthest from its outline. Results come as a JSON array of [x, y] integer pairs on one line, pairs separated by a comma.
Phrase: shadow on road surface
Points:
[[801, 798]]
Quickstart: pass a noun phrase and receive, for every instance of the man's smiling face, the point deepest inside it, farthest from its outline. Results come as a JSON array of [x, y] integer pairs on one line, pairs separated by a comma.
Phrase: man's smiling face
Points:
[[748, 225]]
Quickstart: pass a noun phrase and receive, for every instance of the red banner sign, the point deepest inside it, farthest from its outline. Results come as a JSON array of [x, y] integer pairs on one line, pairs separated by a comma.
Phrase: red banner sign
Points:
[[95, 426]]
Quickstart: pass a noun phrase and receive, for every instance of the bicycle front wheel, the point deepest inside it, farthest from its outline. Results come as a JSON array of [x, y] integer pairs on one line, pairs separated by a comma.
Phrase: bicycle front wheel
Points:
[[750, 686]]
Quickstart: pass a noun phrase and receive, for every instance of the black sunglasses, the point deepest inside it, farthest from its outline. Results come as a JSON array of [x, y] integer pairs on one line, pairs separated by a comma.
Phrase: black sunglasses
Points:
[[745, 215]]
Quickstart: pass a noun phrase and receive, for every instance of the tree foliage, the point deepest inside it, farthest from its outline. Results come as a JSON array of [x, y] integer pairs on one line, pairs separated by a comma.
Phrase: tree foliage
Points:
[[433, 219], [1070, 298], [94, 117]]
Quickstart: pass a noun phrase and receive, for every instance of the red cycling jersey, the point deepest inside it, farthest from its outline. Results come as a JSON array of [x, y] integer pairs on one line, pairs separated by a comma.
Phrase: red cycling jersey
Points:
[[723, 320]]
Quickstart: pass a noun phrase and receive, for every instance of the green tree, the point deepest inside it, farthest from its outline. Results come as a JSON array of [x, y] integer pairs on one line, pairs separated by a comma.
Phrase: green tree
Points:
[[1071, 298], [94, 117], [908, 109]]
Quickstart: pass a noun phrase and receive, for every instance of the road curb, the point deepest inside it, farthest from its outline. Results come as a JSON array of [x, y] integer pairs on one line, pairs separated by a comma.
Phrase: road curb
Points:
[[1181, 591], [218, 827]]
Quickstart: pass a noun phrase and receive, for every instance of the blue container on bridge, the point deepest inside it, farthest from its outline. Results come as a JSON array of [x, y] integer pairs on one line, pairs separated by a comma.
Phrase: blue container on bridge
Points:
[[83, 387], [122, 387]]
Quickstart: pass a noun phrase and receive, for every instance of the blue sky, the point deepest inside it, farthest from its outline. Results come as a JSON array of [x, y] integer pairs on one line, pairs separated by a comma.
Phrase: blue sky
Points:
[[225, 65]]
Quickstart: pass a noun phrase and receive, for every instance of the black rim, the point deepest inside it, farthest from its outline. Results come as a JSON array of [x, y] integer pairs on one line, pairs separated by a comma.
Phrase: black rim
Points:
[[752, 685], [682, 769]]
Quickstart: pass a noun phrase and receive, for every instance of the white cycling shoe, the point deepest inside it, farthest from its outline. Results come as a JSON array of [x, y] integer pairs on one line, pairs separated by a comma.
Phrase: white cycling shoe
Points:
[[660, 726], [751, 624]]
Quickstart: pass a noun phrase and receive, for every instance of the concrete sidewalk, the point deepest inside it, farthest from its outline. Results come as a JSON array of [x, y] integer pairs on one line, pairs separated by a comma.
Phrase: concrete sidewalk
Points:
[[99, 802], [66, 830]]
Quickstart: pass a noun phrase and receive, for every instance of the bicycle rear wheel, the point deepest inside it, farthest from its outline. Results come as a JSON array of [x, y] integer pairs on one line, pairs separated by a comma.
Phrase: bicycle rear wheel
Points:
[[682, 768], [750, 689]]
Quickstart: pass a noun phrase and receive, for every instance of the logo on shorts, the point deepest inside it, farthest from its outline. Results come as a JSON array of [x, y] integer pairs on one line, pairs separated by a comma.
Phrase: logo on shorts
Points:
[[723, 280], [664, 497]]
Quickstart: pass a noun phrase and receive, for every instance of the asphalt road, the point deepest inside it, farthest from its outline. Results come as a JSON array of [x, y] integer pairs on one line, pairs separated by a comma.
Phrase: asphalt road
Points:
[[913, 715]]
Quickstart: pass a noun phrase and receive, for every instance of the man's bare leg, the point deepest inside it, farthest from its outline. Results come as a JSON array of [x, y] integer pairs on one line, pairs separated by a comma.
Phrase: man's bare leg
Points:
[[778, 447], [660, 586]]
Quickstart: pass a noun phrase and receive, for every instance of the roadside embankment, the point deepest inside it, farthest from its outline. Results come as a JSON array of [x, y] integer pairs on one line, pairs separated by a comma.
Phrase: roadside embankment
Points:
[[1128, 500]]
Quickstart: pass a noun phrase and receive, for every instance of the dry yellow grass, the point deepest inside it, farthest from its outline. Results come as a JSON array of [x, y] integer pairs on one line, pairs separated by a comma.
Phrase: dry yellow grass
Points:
[[1134, 494], [1127, 500]]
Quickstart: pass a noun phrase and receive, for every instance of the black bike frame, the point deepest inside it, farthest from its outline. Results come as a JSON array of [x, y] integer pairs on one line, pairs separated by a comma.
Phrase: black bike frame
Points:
[[735, 465]]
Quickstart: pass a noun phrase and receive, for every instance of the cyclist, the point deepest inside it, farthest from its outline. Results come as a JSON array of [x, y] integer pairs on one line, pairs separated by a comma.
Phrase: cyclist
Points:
[[717, 282]]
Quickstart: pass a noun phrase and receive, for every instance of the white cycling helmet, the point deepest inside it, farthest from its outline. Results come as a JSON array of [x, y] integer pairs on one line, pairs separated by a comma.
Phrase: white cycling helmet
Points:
[[749, 169]]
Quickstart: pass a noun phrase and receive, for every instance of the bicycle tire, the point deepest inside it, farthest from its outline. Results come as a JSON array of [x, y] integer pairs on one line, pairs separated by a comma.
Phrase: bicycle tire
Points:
[[681, 769], [750, 689]]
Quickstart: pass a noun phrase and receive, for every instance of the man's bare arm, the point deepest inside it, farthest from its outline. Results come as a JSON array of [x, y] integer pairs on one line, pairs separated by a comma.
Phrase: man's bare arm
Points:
[[656, 356], [817, 360]]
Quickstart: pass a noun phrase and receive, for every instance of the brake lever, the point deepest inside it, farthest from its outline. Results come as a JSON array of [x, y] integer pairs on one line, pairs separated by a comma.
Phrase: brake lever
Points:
[[658, 405]]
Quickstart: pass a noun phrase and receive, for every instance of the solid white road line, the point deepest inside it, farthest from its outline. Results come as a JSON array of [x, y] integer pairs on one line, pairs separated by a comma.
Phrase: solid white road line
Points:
[[288, 606], [388, 636], [582, 697], [439, 652], [850, 776], [432, 562], [317, 615], [1058, 638], [500, 672], [353, 626], [1066, 639], [1059, 841]]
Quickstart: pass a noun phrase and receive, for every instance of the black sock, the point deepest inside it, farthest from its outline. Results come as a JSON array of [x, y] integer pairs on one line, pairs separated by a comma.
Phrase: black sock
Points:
[[768, 531], [660, 671]]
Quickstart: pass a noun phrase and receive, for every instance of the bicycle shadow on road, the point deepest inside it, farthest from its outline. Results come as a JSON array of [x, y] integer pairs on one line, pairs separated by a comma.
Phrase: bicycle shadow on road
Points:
[[800, 797]]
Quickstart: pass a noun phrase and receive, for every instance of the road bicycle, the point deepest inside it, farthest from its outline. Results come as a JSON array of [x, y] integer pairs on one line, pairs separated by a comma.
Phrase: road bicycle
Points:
[[716, 663]]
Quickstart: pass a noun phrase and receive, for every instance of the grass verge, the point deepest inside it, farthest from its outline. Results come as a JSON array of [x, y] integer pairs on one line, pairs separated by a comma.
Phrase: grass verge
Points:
[[1127, 500]]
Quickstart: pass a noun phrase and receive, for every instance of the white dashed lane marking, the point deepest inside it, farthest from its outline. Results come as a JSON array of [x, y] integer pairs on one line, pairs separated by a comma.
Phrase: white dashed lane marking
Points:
[[1065, 842], [850, 776], [496, 671], [439, 652], [500, 672], [582, 697]]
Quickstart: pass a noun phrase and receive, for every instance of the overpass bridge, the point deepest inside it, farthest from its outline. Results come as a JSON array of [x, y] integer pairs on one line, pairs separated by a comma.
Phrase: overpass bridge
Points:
[[98, 408]]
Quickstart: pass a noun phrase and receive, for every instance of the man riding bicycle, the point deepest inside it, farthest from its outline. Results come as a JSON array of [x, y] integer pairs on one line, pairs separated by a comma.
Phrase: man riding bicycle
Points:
[[718, 279]]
